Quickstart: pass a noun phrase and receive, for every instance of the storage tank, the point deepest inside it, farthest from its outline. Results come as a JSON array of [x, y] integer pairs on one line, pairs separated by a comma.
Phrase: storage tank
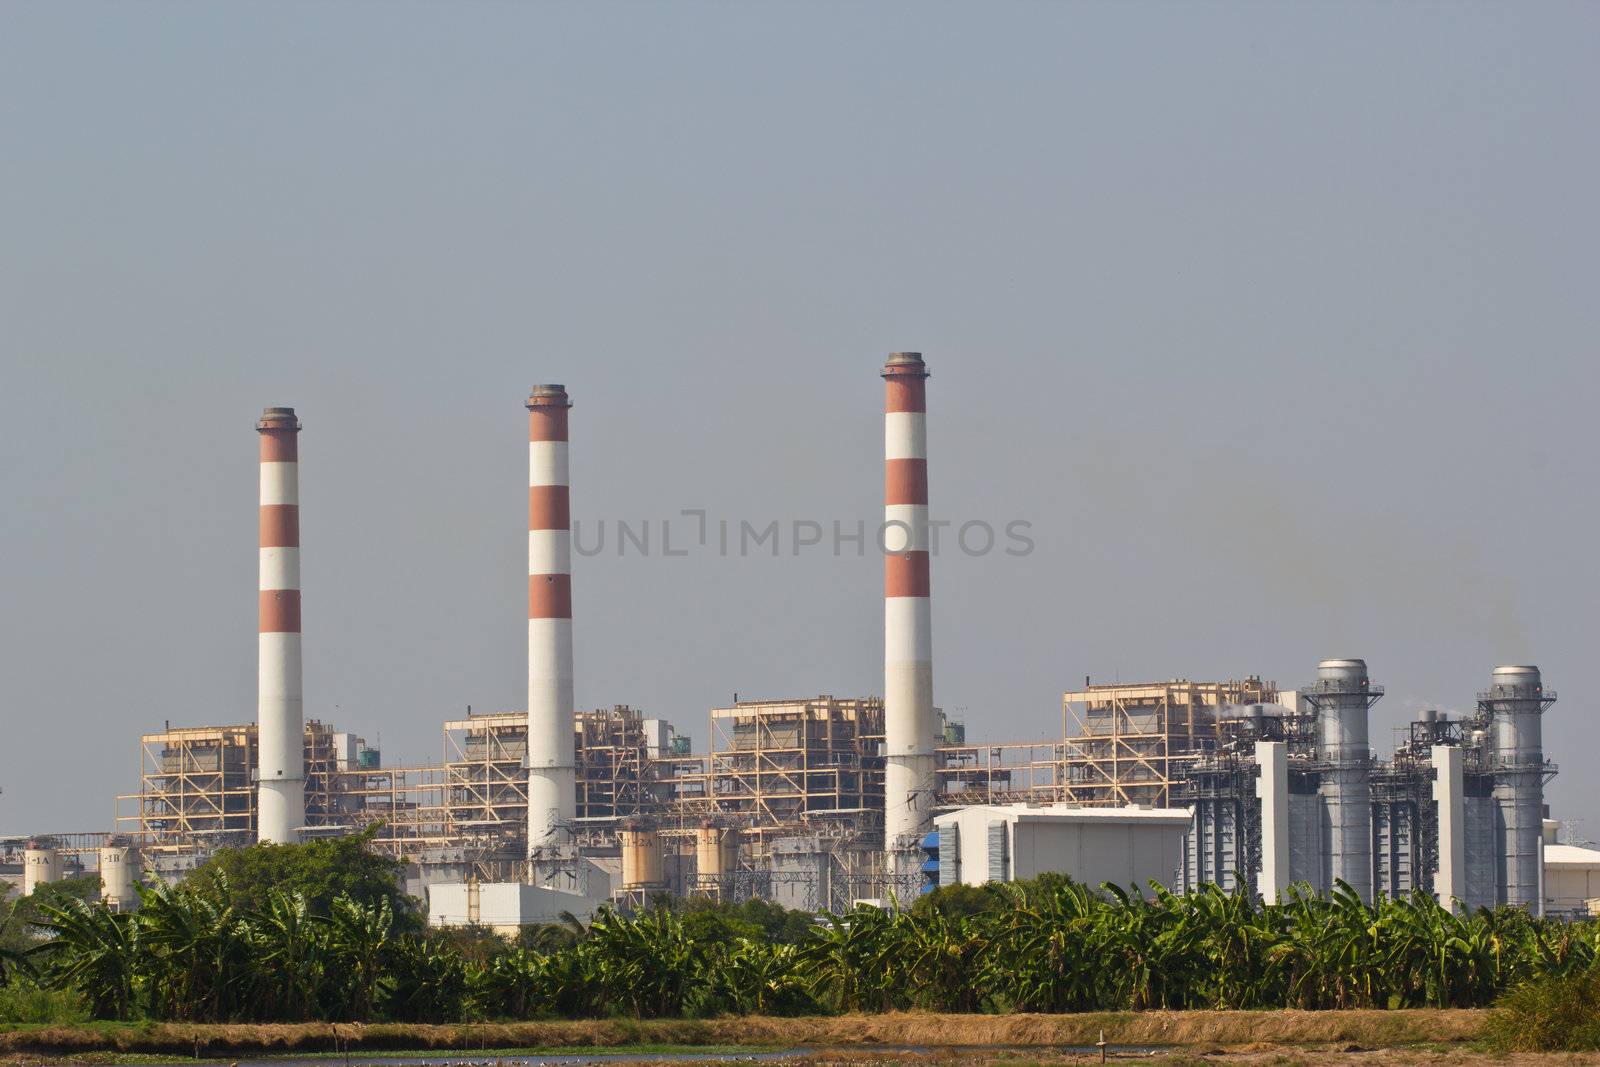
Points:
[[41, 863], [1342, 696], [642, 865], [716, 856], [119, 870], [1515, 703]]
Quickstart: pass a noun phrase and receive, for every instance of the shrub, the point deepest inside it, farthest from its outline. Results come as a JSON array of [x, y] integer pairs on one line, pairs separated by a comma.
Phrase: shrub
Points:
[[22, 1001], [1560, 1013]]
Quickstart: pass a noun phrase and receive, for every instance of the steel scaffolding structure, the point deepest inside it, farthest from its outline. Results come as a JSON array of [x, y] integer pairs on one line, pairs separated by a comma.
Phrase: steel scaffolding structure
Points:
[[1129, 744], [788, 766], [196, 784], [799, 768]]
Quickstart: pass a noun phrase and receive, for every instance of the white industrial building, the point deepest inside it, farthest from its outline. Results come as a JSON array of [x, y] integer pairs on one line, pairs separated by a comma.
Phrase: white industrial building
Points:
[[504, 907], [1007, 843], [1571, 876]]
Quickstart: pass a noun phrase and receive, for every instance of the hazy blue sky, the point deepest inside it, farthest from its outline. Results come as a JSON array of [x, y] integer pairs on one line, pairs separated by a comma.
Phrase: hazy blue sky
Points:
[[1277, 321]]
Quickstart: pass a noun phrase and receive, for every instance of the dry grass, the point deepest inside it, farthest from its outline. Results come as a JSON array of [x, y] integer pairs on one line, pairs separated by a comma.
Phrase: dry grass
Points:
[[1194, 1030]]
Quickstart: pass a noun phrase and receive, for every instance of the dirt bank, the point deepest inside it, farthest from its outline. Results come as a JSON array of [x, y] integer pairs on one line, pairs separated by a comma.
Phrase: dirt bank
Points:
[[1205, 1030]]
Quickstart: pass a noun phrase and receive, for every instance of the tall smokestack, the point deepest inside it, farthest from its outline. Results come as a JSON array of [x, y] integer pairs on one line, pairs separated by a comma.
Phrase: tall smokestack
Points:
[[551, 775], [1343, 696], [280, 745], [1517, 701], [907, 617]]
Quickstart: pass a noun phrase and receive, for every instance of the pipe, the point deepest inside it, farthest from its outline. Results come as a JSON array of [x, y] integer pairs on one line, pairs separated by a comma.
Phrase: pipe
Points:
[[552, 776], [280, 701], [908, 624]]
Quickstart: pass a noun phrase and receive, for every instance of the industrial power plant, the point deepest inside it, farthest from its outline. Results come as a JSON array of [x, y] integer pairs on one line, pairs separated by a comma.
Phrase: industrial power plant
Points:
[[821, 802]]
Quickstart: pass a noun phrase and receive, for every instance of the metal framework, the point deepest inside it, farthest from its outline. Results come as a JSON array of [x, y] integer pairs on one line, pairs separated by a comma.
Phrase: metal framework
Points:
[[1019, 772], [196, 785], [787, 766], [1129, 744], [801, 768]]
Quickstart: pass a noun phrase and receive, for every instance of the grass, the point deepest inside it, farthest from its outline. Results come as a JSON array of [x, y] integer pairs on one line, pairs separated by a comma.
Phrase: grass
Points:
[[1560, 1014], [566, 1050], [1202, 1030]]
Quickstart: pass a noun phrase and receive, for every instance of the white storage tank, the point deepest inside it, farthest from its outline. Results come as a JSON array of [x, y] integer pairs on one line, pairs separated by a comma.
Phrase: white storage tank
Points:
[[41, 863], [119, 872]]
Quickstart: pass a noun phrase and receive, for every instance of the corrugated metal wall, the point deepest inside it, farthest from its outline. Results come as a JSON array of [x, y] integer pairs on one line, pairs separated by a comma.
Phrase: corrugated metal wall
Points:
[[1307, 842], [999, 853], [1484, 859], [949, 854]]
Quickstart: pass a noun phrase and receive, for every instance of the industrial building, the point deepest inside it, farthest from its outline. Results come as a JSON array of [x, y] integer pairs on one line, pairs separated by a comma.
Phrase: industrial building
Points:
[[1123, 845], [818, 802], [791, 793], [1291, 793], [1571, 876]]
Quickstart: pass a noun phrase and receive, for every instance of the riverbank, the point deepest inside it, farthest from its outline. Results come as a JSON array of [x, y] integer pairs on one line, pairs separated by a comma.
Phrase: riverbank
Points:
[[1193, 1030]]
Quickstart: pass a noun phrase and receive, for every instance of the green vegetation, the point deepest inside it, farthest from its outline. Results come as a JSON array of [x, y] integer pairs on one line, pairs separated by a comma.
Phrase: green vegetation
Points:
[[1557, 1013], [19, 916], [320, 933], [319, 871]]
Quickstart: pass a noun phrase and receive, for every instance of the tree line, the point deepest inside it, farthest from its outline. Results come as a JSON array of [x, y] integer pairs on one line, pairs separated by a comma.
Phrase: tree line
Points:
[[205, 951]]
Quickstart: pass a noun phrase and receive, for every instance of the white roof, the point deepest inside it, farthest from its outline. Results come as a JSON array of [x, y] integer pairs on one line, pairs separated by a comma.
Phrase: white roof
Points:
[[1074, 813], [1571, 856]]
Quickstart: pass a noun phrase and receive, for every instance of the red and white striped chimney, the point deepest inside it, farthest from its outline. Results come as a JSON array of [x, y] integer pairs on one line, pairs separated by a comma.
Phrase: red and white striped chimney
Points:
[[552, 778], [280, 706], [907, 617]]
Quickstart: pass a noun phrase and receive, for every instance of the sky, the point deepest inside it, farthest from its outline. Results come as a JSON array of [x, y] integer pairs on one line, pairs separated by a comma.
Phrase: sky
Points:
[[1274, 323]]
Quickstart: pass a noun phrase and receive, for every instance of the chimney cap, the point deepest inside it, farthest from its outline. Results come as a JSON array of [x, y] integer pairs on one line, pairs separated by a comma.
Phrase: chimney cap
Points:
[[278, 419], [905, 365], [550, 395]]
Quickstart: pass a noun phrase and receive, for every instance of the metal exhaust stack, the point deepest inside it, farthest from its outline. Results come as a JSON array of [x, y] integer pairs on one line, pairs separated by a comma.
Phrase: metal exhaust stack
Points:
[[1342, 696], [550, 761], [908, 623], [1516, 702], [280, 703]]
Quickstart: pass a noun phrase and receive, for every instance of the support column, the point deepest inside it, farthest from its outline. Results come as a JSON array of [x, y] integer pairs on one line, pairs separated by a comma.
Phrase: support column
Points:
[[1272, 786], [1449, 793]]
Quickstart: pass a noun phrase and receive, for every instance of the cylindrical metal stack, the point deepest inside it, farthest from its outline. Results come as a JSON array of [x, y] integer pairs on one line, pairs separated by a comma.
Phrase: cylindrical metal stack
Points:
[[1343, 696], [1517, 701], [552, 779], [908, 622], [281, 796], [41, 864]]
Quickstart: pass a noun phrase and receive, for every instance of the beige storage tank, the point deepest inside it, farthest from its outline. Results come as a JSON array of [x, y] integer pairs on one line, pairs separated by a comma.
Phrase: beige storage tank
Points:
[[41, 863], [642, 864], [716, 855], [119, 871]]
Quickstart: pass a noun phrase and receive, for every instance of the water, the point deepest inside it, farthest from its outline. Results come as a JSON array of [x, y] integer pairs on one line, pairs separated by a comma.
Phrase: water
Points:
[[482, 1060]]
